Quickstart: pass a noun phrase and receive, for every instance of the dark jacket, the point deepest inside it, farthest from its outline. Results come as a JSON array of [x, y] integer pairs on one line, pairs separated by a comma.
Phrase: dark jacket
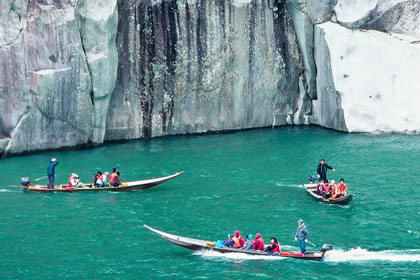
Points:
[[302, 233], [322, 171], [51, 168]]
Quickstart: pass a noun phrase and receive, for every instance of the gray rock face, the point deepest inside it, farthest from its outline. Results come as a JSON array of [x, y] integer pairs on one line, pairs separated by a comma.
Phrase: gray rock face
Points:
[[328, 111], [197, 66], [47, 57], [75, 72]]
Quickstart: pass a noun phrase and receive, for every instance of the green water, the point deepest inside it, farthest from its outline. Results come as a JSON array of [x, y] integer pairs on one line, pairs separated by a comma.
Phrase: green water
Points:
[[248, 181]]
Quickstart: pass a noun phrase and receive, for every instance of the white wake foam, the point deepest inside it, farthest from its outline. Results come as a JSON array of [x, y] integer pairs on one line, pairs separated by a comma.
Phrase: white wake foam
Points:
[[359, 254], [234, 256], [352, 255]]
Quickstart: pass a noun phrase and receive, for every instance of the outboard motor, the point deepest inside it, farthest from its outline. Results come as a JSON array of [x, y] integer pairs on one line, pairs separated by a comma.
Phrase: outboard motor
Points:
[[25, 181], [326, 247], [312, 179]]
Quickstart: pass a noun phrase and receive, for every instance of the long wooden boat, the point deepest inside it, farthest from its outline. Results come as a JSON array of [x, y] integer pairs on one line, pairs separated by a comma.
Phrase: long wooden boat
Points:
[[198, 244], [127, 186], [310, 188]]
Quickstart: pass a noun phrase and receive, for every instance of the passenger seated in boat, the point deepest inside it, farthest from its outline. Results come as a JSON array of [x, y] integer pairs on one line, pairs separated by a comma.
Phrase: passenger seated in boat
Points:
[[102, 180], [259, 242], [74, 182], [319, 187], [250, 243], [95, 178], [233, 241], [240, 238], [114, 178], [340, 189], [327, 190], [274, 248]]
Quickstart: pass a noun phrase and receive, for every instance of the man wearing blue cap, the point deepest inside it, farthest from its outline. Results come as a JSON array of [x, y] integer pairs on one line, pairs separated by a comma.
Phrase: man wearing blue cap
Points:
[[301, 236]]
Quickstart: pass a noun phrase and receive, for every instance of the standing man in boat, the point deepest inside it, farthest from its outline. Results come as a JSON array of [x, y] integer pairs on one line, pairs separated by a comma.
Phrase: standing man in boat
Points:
[[51, 173], [321, 170], [302, 235]]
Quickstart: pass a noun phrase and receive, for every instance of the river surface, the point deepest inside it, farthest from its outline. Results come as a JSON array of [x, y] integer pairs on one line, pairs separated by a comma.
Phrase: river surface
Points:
[[250, 181]]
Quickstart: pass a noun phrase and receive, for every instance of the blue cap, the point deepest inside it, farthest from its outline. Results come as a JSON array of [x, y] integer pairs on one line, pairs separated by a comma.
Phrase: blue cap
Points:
[[231, 235], [300, 221], [250, 236]]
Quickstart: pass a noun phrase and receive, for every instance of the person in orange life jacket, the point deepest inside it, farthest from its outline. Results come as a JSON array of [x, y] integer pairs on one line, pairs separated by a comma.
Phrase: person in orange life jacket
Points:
[[319, 187], [240, 238], [302, 235], [95, 177], [274, 248], [327, 190], [233, 241], [340, 189], [250, 243], [114, 178], [321, 170], [102, 180], [259, 242]]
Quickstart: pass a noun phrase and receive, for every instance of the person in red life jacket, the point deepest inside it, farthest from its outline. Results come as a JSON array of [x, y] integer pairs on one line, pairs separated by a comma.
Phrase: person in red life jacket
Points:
[[259, 242], [240, 238], [74, 182], [340, 189], [327, 190], [233, 241], [114, 178], [102, 180], [95, 177], [250, 243], [274, 248], [319, 187]]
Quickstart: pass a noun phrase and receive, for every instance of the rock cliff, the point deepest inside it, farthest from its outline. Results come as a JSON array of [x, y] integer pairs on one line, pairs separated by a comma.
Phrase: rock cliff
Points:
[[77, 72]]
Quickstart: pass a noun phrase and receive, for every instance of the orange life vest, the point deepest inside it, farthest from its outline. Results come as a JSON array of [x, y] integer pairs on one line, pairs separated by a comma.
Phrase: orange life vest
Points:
[[236, 244], [340, 189]]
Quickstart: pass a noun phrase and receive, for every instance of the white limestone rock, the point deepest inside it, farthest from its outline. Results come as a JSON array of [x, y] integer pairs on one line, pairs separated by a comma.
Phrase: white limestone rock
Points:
[[367, 80]]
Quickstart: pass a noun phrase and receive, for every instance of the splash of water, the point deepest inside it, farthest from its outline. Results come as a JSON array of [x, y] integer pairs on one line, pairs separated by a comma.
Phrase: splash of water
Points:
[[233, 256], [359, 254]]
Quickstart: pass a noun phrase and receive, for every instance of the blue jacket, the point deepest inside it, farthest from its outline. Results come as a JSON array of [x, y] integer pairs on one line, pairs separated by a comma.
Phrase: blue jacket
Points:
[[302, 233], [51, 168]]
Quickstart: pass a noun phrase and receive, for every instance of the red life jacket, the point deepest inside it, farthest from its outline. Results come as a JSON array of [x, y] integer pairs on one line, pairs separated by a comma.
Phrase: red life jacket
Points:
[[252, 246], [319, 187], [327, 188], [103, 178], [260, 245], [276, 249], [113, 177], [70, 184], [241, 241]]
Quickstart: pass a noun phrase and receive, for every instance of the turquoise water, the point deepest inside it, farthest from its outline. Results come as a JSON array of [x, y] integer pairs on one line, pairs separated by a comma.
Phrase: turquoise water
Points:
[[249, 181]]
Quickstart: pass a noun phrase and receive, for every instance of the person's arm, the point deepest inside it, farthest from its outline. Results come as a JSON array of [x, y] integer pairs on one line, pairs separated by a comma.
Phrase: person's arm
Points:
[[56, 162], [318, 170], [229, 243], [305, 230], [248, 247]]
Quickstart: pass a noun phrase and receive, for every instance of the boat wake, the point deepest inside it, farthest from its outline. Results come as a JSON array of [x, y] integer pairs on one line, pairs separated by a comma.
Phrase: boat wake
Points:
[[360, 255], [208, 254], [300, 186]]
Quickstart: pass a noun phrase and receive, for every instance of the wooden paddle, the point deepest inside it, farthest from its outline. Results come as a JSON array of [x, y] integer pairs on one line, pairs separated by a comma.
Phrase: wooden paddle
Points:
[[313, 244]]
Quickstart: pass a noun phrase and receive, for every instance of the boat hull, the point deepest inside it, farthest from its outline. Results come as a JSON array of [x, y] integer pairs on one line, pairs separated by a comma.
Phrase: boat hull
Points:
[[128, 186], [310, 188], [198, 244]]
